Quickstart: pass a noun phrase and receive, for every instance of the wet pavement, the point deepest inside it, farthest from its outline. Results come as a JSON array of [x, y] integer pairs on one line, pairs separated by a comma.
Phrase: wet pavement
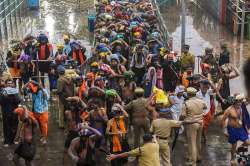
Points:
[[202, 30], [54, 19]]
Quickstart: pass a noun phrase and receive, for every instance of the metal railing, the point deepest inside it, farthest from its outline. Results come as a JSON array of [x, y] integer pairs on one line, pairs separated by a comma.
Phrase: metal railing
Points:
[[162, 24], [12, 14]]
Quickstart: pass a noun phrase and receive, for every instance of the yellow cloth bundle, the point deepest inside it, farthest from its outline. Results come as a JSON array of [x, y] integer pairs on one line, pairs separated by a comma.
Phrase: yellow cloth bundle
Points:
[[71, 73], [160, 97]]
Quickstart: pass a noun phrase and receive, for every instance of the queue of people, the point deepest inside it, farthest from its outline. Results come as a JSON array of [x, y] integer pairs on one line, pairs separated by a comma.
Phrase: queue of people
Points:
[[132, 85]]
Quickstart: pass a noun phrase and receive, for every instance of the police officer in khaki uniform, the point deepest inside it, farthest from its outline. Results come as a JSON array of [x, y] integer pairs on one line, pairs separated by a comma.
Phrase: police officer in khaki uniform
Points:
[[187, 59], [162, 127], [193, 109], [139, 114]]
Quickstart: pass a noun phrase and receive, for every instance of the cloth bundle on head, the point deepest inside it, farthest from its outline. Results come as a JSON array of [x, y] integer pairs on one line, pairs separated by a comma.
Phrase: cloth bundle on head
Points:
[[103, 54], [137, 35], [71, 73], [117, 107], [160, 97], [112, 3], [191, 90], [133, 24], [129, 74], [163, 51], [94, 64], [155, 34], [179, 89], [114, 57], [104, 1], [59, 46], [60, 69], [111, 93], [75, 45], [66, 37], [106, 68], [43, 38], [15, 53], [103, 31], [102, 47], [105, 40], [6, 76], [108, 17], [24, 57]]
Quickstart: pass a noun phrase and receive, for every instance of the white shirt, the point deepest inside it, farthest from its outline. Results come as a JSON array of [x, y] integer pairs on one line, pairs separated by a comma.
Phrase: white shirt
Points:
[[206, 99], [176, 108]]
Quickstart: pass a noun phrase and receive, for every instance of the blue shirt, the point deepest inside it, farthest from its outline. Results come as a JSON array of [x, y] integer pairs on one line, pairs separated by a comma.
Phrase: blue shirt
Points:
[[67, 49], [40, 101]]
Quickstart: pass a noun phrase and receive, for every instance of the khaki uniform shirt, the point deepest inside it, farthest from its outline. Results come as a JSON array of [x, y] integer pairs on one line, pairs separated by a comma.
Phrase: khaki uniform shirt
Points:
[[65, 88], [162, 127], [193, 107], [187, 60], [148, 154], [138, 110]]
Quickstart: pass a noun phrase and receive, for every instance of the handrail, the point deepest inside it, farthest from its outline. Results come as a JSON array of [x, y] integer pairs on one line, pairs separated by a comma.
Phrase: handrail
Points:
[[6, 11], [5, 8], [2, 2], [11, 11], [162, 24]]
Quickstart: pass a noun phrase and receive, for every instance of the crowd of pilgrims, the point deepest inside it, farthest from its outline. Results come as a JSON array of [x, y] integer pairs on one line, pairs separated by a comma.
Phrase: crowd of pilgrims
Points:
[[129, 85]]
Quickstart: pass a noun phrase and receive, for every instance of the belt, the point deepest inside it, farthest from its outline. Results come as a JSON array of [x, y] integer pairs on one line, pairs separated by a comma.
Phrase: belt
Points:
[[163, 138]]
